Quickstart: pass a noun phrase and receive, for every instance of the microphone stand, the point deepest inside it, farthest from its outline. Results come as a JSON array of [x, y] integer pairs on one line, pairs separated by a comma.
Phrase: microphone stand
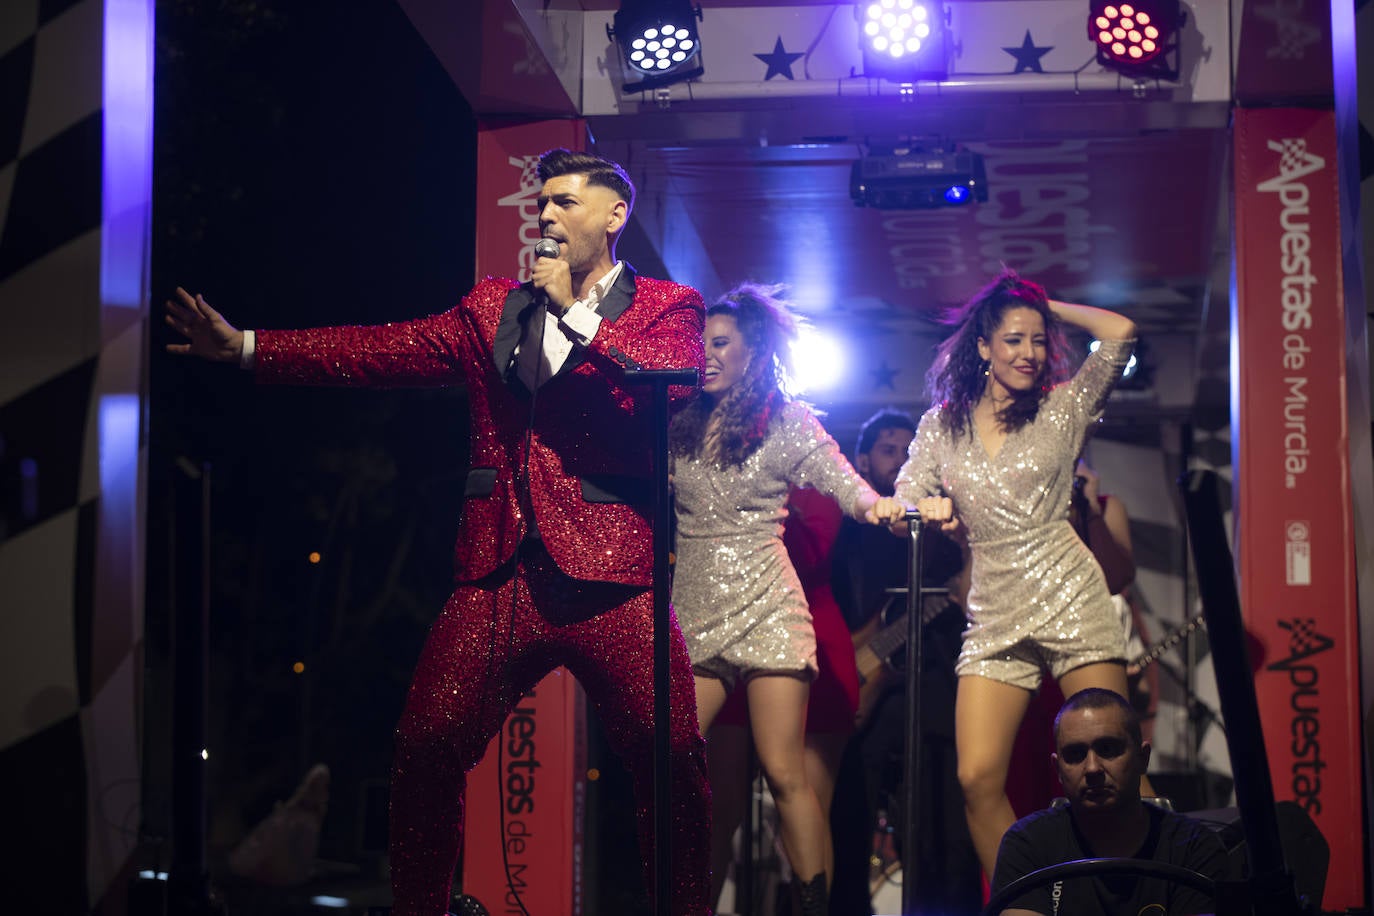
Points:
[[911, 807], [658, 380]]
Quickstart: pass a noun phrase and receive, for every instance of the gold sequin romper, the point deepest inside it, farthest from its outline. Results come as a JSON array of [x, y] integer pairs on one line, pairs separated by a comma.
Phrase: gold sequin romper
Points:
[[1038, 600], [736, 594]]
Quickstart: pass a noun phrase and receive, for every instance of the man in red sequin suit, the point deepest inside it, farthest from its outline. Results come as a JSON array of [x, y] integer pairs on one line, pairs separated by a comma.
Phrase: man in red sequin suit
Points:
[[554, 555]]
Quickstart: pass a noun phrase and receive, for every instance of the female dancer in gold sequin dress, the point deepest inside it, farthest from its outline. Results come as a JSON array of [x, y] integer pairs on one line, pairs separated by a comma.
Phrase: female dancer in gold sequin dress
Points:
[[736, 451], [995, 456]]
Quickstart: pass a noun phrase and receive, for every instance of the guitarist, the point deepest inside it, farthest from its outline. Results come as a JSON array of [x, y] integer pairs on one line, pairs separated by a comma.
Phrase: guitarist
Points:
[[866, 564]]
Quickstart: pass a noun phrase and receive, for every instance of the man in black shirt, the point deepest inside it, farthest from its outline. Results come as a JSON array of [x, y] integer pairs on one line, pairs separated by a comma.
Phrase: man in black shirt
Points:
[[1101, 757]]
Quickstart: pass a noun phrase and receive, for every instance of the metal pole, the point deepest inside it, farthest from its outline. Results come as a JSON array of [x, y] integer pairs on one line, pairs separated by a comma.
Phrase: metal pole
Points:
[[659, 380], [1193, 744], [911, 807], [188, 876], [1271, 882]]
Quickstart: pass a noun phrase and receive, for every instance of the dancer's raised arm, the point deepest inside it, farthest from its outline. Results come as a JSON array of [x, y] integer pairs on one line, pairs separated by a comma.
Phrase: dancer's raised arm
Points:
[[1100, 323]]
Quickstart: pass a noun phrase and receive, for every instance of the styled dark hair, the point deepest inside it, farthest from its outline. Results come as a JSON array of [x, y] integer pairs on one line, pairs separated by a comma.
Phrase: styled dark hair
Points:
[[887, 418], [957, 378], [768, 327], [599, 171], [1101, 698]]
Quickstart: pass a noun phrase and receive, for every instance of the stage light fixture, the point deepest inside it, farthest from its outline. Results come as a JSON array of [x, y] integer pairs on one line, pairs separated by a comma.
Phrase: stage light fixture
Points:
[[916, 178], [904, 40], [1138, 38], [658, 41]]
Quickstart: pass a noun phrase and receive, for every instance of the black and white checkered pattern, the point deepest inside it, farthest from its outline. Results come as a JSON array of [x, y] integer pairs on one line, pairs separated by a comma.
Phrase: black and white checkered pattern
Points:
[[71, 555]]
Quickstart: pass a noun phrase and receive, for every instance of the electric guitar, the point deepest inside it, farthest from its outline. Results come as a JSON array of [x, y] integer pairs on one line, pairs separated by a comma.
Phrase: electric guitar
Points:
[[874, 645]]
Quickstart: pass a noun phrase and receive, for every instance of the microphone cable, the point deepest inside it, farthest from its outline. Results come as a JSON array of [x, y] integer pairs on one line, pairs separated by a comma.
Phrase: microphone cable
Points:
[[524, 499]]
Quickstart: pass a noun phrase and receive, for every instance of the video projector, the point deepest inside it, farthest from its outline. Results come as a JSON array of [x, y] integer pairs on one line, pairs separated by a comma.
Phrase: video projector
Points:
[[912, 178]]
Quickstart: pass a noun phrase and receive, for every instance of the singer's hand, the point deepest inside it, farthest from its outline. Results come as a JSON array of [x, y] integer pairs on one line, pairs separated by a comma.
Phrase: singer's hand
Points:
[[552, 276], [211, 336], [938, 512]]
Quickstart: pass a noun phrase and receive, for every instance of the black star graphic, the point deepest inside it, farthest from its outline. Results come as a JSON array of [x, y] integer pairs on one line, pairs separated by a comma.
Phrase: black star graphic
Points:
[[779, 62], [1028, 55], [885, 377]]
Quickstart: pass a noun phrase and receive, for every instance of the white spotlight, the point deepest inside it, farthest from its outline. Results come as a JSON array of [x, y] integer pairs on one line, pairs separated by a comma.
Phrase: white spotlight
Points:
[[818, 360]]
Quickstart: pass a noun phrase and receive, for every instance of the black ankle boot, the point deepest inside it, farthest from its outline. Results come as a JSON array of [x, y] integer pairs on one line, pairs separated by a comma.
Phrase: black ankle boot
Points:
[[815, 899]]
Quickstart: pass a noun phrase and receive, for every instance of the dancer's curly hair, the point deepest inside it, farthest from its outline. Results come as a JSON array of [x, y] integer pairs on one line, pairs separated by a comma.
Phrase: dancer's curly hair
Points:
[[768, 327], [958, 376]]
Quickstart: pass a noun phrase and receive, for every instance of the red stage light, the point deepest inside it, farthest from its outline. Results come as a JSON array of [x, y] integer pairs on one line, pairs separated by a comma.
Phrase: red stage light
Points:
[[1137, 38]]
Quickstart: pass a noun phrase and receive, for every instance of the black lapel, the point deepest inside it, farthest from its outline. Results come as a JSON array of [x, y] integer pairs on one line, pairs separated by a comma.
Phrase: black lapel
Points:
[[616, 301], [620, 295], [514, 313]]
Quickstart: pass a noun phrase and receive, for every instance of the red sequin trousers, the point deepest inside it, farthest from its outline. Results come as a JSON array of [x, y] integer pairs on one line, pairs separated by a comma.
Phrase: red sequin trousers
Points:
[[491, 644]]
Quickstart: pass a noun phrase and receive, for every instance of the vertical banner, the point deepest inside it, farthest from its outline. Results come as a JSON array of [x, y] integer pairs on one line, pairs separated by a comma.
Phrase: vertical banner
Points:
[[1295, 538], [526, 798]]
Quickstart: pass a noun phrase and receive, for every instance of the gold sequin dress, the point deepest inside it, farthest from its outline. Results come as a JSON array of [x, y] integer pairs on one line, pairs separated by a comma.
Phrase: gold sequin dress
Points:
[[736, 594], [1037, 600]]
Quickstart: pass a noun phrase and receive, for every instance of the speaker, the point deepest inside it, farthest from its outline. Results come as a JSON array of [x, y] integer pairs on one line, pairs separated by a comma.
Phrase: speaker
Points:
[[1304, 848]]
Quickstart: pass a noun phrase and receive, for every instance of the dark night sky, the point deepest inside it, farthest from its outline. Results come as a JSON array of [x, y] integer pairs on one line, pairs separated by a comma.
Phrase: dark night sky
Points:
[[314, 165]]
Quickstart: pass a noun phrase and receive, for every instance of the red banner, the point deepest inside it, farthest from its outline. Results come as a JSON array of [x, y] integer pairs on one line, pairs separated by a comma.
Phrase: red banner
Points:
[[526, 799], [1295, 538]]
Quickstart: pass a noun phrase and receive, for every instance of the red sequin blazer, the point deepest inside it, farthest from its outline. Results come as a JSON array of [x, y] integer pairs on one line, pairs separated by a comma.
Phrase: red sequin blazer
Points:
[[589, 486]]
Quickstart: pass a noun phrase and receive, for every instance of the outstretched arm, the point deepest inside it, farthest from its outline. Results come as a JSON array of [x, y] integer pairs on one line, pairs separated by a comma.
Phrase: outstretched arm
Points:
[[1100, 323], [210, 336], [420, 353]]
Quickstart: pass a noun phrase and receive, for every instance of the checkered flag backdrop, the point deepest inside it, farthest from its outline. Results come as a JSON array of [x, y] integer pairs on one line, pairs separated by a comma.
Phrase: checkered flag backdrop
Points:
[[74, 232]]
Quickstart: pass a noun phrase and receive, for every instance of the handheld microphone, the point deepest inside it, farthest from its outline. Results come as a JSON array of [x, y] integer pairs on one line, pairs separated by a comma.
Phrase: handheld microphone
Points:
[[544, 248]]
